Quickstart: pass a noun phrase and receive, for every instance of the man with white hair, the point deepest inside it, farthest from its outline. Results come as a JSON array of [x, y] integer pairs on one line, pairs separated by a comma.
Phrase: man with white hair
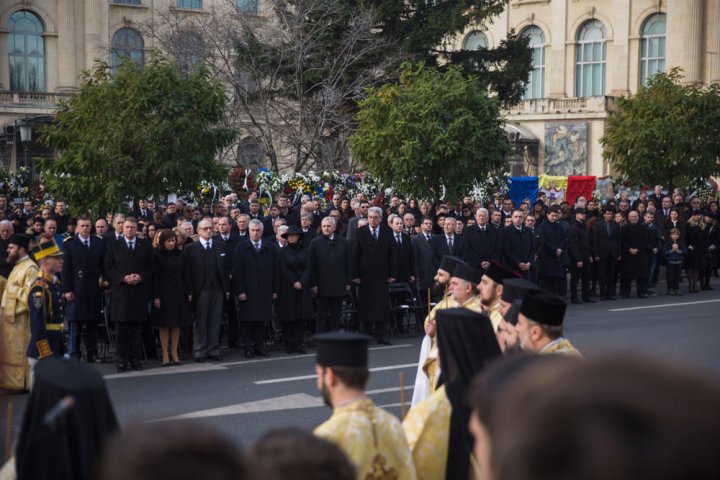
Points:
[[374, 267], [6, 231], [209, 281]]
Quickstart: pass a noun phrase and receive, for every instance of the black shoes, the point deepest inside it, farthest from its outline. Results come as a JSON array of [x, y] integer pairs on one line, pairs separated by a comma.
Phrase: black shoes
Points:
[[136, 366], [215, 358], [121, 367], [588, 300], [261, 353], [249, 354], [384, 341], [200, 359]]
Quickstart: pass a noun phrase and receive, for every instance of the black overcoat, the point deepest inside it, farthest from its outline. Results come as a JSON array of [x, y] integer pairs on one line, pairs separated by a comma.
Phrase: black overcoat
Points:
[[633, 267], [82, 268], [129, 303], [329, 262], [256, 275], [554, 237], [480, 245], [294, 304], [516, 245], [606, 245], [171, 287], [404, 258], [373, 263], [424, 267]]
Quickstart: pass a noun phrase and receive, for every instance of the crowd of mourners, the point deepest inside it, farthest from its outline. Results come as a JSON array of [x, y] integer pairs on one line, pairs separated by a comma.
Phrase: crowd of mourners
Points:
[[495, 277]]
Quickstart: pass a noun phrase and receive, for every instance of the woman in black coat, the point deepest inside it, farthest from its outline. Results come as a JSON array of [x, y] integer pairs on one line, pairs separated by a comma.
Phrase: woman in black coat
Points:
[[170, 294], [296, 303], [697, 250]]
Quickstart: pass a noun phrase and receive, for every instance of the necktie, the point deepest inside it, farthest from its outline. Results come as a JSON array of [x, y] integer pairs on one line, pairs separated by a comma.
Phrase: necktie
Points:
[[225, 239], [450, 245], [87, 243], [427, 237], [131, 246], [207, 245], [374, 233], [398, 239], [257, 247], [608, 228]]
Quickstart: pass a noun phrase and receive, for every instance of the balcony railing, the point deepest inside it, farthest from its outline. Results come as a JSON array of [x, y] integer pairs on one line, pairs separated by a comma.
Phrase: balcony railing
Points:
[[563, 105], [32, 99]]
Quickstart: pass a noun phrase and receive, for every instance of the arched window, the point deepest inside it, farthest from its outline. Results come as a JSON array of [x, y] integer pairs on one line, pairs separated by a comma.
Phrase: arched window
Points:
[[535, 87], [652, 47], [475, 41], [127, 43], [590, 60], [26, 48]]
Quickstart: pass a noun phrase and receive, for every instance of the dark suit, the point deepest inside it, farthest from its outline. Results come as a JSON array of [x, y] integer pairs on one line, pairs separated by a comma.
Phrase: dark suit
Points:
[[404, 258], [82, 268], [607, 248], [143, 214], [329, 268], [517, 247], [229, 307], [207, 274], [308, 237], [5, 267], [129, 303], [440, 248], [633, 266], [552, 266], [481, 245], [374, 263], [256, 274]]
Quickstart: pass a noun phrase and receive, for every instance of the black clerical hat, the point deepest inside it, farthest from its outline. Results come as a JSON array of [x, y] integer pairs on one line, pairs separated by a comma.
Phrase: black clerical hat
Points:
[[499, 272], [467, 273], [342, 349], [20, 240], [516, 288], [543, 307], [449, 262]]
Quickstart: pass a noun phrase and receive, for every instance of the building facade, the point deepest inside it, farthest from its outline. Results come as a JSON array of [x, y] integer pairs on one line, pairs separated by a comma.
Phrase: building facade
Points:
[[585, 54]]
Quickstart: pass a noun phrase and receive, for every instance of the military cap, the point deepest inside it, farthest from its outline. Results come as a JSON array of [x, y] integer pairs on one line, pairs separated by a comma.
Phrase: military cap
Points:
[[46, 249]]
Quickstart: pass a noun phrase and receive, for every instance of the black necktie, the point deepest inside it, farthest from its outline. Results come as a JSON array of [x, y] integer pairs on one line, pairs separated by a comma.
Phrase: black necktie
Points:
[[131, 245], [257, 247], [608, 229], [207, 245], [450, 245], [428, 238], [87, 243], [374, 234], [398, 239]]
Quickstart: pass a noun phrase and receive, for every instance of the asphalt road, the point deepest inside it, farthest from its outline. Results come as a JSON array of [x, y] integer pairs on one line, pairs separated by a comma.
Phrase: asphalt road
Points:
[[245, 398]]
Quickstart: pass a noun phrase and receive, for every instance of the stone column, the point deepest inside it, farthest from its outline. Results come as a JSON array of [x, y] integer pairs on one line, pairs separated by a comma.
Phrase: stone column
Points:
[[685, 45], [555, 67], [714, 40], [618, 81], [92, 32], [66, 45]]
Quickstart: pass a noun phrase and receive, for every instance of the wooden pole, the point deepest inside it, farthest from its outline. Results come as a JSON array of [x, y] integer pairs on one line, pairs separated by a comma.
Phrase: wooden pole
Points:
[[8, 431], [402, 395]]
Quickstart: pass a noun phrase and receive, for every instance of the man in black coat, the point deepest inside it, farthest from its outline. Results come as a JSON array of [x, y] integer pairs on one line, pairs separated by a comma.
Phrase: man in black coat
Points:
[[329, 266], [447, 243], [230, 240], [256, 283], [553, 251], [206, 271], [422, 258], [6, 231], [84, 265], [374, 267], [309, 232], [403, 253], [633, 262], [142, 212], [129, 265], [607, 251], [516, 245], [481, 241], [580, 257]]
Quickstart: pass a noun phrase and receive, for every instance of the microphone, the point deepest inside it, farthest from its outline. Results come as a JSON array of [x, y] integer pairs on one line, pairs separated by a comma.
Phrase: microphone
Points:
[[60, 409]]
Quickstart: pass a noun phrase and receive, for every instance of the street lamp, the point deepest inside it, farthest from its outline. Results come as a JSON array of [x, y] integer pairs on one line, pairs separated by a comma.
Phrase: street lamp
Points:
[[25, 129]]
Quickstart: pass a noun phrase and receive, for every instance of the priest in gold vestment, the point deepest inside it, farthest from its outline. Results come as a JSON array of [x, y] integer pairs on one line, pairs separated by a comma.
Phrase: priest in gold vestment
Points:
[[437, 428], [372, 438], [540, 325], [15, 321]]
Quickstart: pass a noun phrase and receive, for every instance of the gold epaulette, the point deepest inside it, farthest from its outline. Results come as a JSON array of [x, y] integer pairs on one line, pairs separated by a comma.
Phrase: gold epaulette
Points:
[[68, 238]]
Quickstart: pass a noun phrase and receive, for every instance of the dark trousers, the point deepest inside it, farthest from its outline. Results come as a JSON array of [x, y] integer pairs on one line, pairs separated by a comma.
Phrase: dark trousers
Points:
[[625, 284], [293, 333], [87, 333], [580, 275], [128, 345], [329, 310], [233, 329], [652, 266], [375, 329], [606, 271], [253, 335], [673, 275], [551, 284], [206, 324]]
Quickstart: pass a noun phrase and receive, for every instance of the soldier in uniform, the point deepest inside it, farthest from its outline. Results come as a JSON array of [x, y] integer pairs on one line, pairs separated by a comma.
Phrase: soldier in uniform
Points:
[[45, 304], [14, 330], [540, 325], [372, 438]]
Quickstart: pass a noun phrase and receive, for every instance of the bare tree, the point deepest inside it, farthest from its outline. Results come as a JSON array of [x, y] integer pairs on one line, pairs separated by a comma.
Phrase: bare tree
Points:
[[293, 75]]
